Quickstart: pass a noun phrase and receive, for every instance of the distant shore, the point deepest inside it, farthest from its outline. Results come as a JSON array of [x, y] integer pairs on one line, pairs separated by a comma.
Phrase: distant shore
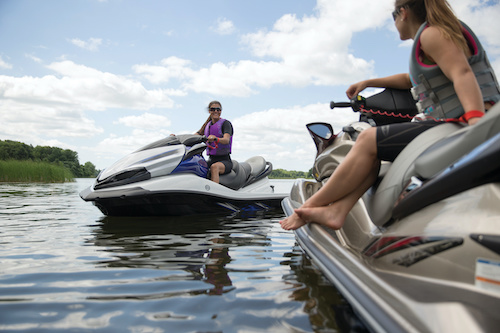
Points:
[[33, 172]]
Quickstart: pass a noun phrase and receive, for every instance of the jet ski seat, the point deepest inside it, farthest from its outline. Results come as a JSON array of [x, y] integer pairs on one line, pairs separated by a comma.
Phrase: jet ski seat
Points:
[[237, 177], [257, 164], [440, 155], [244, 173], [427, 155]]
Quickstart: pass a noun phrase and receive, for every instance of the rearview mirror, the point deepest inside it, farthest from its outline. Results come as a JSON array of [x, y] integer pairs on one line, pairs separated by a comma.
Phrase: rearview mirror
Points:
[[323, 130], [322, 135]]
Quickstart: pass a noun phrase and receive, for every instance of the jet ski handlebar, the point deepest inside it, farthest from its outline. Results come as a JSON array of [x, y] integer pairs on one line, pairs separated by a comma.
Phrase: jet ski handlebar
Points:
[[386, 107], [355, 103]]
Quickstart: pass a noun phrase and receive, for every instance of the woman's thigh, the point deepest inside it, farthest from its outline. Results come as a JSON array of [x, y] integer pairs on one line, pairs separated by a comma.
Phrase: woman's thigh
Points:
[[393, 138]]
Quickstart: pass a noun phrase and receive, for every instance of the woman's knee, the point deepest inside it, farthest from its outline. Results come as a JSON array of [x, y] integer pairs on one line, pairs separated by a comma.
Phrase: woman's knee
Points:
[[217, 167], [367, 140]]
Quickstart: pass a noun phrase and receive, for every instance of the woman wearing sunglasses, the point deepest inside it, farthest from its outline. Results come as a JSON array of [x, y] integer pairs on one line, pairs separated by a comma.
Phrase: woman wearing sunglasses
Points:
[[219, 132], [445, 60]]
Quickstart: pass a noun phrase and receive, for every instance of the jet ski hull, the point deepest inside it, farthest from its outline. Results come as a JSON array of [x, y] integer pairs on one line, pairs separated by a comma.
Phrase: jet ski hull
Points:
[[426, 274], [177, 195]]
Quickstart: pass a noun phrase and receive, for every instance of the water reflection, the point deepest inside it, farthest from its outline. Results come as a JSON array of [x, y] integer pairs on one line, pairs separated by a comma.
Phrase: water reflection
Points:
[[64, 266], [198, 247], [199, 250]]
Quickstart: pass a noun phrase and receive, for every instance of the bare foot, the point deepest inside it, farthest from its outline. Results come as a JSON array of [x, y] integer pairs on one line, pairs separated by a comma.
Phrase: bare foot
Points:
[[292, 222], [329, 216]]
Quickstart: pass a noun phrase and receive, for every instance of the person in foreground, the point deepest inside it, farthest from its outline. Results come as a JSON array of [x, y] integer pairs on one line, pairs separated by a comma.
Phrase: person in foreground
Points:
[[444, 48], [219, 133]]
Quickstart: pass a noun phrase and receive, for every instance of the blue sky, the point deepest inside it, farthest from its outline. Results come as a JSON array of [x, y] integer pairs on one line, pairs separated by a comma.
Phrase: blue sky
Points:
[[104, 78]]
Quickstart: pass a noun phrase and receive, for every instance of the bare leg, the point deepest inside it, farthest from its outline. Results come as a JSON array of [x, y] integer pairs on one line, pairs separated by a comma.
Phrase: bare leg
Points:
[[342, 190], [351, 173], [334, 215], [215, 170]]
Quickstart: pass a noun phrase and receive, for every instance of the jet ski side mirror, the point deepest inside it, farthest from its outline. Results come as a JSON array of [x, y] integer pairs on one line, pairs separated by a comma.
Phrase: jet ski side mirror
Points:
[[322, 135]]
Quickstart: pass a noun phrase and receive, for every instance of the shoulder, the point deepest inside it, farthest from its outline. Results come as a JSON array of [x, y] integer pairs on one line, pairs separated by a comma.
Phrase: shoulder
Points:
[[431, 34], [227, 126], [432, 41]]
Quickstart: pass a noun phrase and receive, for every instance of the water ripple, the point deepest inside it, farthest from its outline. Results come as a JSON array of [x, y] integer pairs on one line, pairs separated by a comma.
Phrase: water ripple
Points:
[[65, 267]]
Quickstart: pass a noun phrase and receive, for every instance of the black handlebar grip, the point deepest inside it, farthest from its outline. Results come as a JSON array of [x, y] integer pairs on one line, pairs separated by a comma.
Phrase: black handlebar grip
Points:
[[340, 105]]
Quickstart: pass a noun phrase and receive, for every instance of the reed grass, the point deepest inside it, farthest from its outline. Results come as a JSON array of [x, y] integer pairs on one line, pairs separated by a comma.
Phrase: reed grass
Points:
[[36, 172]]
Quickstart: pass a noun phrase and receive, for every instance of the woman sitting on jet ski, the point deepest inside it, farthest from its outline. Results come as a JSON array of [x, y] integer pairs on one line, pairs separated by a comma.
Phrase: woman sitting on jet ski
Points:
[[219, 132], [446, 57]]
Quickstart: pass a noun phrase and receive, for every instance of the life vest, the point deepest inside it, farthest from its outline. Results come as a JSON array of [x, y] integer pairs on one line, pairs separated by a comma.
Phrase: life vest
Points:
[[216, 129], [434, 91]]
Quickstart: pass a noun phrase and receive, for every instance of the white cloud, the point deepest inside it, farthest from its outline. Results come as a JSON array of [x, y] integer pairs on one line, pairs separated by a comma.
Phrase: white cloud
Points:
[[92, 44], [82, 88], [313, 50], [115, 147], [36, 109], [32, 57], [482, 16], [224, 26], [280, 135], [4, 64], [169, 68], [146, 121], [32, 121]]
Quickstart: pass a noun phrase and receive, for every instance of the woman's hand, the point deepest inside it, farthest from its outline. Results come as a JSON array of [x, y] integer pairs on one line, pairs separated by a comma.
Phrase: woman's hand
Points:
[[355, 89]]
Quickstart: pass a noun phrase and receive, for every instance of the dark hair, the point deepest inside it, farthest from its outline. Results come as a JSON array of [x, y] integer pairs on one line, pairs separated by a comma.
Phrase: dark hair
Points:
[[212, 103], [437, 13], [201, 131]]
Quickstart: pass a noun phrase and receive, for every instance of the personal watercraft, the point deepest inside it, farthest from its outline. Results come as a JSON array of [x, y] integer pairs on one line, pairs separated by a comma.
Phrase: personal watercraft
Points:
[[169, 177], [420, 251]]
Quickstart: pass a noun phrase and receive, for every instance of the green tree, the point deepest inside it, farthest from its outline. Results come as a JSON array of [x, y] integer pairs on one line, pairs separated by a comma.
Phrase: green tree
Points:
[[89, 170], [14, 150], [289, 174]]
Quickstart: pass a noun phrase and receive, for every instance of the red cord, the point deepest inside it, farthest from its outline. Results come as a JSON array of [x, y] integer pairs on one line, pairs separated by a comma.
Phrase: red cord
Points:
[[215, 145], [385, 113], [399, 115]]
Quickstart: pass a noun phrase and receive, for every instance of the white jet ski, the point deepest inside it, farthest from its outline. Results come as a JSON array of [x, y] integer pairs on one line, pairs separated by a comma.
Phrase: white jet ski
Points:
[[169, 177]]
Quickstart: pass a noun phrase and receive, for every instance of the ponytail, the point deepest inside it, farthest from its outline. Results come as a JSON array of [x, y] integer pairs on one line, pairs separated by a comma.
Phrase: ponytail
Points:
[[441, 15], [201, 131]]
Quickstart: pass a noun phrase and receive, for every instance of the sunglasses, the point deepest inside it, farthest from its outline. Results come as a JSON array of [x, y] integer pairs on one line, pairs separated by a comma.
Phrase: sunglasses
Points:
[[215, 109], [396, 13]]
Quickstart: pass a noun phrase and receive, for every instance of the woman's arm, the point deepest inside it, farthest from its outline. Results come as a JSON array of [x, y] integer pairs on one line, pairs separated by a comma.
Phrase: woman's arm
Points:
[[398, 81], [453, 62], [225, 139]]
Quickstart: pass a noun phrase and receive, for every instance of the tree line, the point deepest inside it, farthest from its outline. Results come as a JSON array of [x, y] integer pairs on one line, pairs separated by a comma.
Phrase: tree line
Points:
[[289, 174], [14, 150]]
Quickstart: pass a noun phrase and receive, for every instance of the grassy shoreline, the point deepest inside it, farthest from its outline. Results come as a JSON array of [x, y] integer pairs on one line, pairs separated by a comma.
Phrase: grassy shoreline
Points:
[[33, 172]]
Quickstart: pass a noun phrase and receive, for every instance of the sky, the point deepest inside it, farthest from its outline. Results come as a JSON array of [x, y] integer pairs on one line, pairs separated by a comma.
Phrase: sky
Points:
[[104, 78]]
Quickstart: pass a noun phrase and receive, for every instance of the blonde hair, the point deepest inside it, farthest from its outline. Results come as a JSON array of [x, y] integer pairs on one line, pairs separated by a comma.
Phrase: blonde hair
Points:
[[201, 131], [437, 13]]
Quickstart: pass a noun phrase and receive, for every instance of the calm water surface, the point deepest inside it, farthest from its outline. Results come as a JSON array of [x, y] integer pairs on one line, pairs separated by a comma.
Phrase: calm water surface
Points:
[[66, 267]]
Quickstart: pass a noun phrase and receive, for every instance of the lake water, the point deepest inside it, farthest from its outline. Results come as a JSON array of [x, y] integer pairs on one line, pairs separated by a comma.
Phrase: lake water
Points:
[[66, 267]]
